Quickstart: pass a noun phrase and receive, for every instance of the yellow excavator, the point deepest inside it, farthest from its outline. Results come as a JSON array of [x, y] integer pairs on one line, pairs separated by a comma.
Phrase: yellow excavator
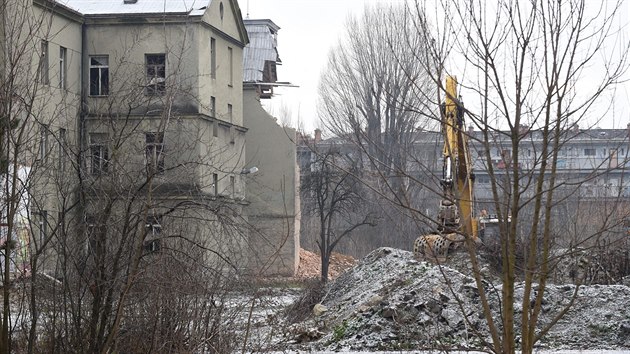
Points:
[[456, 220]]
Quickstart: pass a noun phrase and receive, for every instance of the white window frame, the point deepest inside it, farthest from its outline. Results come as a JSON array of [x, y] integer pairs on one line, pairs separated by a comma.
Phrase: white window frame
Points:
[[63, 57], [99, 65], [154, 152], [99, 154], [155, 66]]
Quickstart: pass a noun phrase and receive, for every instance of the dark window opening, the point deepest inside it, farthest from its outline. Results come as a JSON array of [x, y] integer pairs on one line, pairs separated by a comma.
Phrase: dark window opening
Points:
[[99, 154], [155, 152], [156, 73], [99, 76]]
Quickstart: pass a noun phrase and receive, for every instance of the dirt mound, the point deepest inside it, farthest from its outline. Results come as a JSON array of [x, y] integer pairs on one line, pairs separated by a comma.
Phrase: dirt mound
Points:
[[391, 301], [311, 264]]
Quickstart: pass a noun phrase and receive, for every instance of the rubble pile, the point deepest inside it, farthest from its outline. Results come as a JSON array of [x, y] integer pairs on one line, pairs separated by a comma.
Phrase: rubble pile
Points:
[[311, 264], [391, 301]]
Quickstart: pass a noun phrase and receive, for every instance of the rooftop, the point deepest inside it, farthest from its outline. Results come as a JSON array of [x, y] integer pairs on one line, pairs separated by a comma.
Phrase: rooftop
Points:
[[113, 7]]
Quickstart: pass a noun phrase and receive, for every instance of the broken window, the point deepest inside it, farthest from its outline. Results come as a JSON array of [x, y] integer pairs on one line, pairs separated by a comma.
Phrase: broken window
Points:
[[156, 73], [99, 75], [154, 152], [99, 154]]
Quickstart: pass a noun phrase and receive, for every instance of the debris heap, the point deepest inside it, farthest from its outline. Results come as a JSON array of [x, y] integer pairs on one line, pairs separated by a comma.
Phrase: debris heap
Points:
[[390, 301]]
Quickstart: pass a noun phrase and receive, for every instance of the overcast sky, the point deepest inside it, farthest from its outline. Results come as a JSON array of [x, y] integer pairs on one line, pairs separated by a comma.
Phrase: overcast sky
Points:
[[310, 28]]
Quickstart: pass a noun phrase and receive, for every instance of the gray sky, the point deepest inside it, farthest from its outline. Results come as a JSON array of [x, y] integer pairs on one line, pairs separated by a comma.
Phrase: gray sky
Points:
[[310, 28]]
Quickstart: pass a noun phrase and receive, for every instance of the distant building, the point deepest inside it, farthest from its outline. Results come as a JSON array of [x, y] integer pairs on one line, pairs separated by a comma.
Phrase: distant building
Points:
[[592, 164]]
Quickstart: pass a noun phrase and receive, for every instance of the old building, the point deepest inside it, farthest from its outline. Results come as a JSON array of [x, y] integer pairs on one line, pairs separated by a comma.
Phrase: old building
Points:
[[273, 190], [138, 132]]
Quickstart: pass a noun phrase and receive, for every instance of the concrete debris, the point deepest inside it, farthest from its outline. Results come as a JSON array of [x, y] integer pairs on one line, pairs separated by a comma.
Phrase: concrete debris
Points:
[[391, 301], [319, 309]]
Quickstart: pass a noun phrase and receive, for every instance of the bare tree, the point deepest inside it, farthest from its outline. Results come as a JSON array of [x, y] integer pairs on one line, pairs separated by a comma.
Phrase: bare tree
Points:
[[116, 200], [529, 65], [332, 193], [373, 91]]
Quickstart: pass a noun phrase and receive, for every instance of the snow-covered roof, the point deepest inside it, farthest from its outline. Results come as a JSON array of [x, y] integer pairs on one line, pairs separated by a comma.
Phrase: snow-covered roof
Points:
[[113, 7]]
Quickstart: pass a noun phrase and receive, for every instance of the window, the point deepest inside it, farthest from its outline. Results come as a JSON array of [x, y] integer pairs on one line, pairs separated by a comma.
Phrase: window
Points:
[[215, 129], [99, 154], [230, 112], [213, 58], [62, 67], [215, 184], [213, 106], [589, 152], [63, 142], [154, 225], [43, 63], [231, 63], [155, 152], [43, 142], [156, 73], [152, 246], [43, 225], [95, 236], [41, 222], [154, 229], [99, 76], [232, 186]]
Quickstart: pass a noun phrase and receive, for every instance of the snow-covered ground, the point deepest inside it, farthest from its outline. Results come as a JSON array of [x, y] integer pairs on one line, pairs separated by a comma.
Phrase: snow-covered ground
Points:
[[459, 352], [391, 303]]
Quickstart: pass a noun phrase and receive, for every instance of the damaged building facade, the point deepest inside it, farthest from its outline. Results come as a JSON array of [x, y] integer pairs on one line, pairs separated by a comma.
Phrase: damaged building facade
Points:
[[274, 191]]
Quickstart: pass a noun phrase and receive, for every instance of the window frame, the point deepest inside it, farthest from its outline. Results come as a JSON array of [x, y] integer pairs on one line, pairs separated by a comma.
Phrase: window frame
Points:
[[231, 66], [43, 142], [154, 152], [155, 73], [213, 58], [40, 220], [44, 63], [99, 162], [102, 85], [63, 69], [63, 143]]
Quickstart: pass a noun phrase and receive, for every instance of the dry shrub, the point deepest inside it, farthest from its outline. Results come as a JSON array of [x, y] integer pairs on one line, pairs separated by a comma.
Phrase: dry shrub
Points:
[[302, 308]]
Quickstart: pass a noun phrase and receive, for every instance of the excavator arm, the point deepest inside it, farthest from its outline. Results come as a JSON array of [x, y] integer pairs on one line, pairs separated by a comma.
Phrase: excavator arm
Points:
[[456, 214]]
